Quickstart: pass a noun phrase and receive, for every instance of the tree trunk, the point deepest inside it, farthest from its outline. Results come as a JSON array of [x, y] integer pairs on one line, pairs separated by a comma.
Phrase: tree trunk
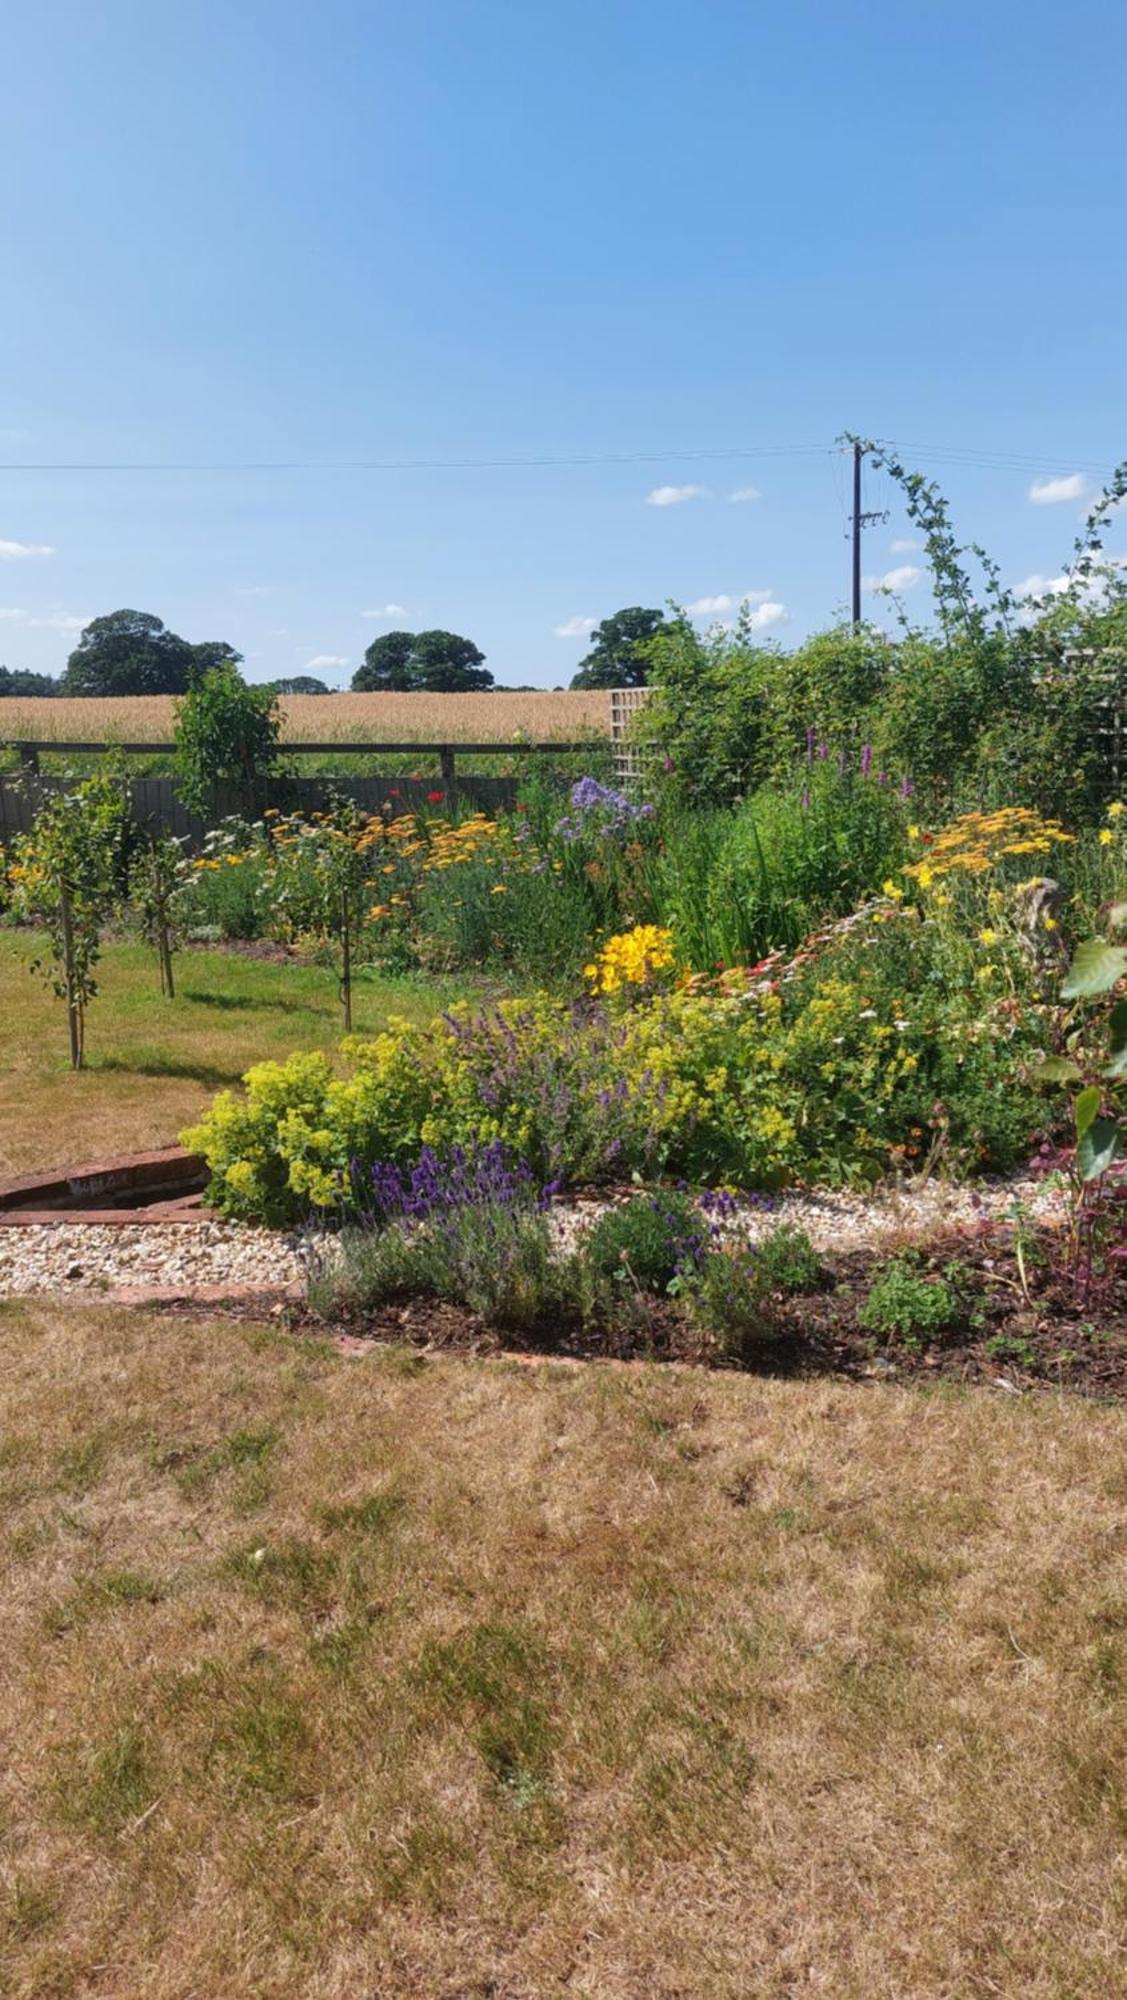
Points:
[[70, 978]]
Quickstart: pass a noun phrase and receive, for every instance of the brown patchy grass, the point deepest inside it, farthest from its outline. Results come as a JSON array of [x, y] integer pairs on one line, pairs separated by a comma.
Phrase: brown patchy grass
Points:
[[335, 718], [153, 1064], [388, 1676]]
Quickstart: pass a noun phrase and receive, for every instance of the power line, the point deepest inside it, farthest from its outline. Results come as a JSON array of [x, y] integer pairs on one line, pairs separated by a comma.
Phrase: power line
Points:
[[971, 457], [409, 464]]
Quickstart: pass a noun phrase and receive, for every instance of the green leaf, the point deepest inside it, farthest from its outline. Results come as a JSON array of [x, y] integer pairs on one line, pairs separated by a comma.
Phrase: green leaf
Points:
[[1118, 1026], [1096, 967], [1085, 1109], [1098, 1149], [1056, 1069]]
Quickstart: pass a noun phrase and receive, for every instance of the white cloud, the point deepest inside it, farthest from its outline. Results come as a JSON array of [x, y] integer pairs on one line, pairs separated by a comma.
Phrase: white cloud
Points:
[[766, 615], [703, 607], [321, 660], [1050, 492], [745, 493], [387, 611], [901, 548], [895, 579], [251, 589], [24, 551], [1040, 586], [48, 621], [575, 628], [672, 496]]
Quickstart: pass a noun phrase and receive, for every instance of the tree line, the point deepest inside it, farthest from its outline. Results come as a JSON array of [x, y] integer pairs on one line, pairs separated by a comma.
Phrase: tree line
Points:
[[135, 653]]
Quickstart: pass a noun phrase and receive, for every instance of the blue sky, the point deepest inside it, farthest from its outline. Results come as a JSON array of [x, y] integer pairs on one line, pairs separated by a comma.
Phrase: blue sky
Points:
[[443, 231]]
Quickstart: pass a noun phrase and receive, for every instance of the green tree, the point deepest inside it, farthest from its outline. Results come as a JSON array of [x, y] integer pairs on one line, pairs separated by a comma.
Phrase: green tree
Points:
[[128, 652], [156, 885], [422, 663], [20, 680], [64, 877], [298, 684], [226, 733], [212, 653], [620, 655]]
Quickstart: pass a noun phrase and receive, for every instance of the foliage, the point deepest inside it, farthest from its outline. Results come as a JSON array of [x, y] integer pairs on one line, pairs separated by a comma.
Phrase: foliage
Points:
[[644, 1243], [468, 1227], [65, 877], [620, 652], [1094, 1167], [787, 1261], [422, 663], [226, 733], [735, 886], [298, 684], [21, 681], [902, 1304], [134, 653], [156, 894]]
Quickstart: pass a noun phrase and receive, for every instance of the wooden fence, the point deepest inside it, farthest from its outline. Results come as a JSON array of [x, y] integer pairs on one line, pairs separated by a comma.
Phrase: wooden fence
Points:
[[154, 801]]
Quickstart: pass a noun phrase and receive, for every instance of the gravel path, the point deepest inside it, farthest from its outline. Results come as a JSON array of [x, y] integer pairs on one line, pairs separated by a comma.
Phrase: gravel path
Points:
[[190, 1257]]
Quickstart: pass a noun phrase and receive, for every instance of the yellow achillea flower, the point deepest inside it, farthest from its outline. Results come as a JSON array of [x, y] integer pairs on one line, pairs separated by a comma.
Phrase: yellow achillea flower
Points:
[[988, 937]]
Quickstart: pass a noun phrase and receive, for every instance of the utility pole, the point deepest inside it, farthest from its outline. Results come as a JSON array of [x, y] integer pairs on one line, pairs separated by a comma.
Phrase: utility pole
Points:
[[860, 520], [857, 457]]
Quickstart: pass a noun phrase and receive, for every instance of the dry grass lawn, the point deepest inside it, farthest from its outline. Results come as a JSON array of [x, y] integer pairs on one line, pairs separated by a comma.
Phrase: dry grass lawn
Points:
[[155, 1064], [360, 1678], [343, 718]]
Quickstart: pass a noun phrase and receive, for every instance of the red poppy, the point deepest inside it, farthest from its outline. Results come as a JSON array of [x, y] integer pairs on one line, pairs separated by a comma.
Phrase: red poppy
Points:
[[393, 791], [435, 798]]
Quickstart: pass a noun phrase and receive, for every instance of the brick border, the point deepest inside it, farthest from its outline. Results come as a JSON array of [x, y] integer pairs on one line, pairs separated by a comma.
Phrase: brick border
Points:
[[38, 1200]]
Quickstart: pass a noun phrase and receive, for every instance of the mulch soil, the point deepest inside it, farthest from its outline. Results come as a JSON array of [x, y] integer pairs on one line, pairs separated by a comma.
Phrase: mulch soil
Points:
[[1057, 1338]]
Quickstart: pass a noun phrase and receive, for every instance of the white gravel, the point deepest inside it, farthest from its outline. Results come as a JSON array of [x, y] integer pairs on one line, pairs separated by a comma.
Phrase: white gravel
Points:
[[194, 1256]]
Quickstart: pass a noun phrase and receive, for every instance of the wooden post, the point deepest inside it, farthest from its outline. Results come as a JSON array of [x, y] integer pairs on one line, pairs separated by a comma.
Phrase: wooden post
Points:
[[167, 984], [29, 758], [449, 774], [74, 1004]]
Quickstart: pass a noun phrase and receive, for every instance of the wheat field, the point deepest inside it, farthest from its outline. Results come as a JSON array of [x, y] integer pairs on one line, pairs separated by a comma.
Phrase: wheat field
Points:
[[332, 718]]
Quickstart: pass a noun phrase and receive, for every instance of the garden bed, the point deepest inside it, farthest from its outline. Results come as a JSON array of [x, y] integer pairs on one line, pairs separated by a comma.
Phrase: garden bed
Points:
[[1054, 1339]]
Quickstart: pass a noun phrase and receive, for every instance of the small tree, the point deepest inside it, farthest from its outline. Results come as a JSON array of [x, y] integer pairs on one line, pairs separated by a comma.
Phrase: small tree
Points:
[[226, 733], [326, 872], [155, 881], [64, 878]]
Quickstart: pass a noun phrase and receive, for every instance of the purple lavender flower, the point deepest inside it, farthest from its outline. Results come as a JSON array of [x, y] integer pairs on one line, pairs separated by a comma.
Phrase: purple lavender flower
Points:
[[866, 759]]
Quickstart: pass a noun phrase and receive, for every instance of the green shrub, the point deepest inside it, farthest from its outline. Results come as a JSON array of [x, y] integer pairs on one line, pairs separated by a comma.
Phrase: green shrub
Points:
[[491, 1259], [226, 733], [730, 1298], [786, 1260], [643, 1244], [904, 1305]]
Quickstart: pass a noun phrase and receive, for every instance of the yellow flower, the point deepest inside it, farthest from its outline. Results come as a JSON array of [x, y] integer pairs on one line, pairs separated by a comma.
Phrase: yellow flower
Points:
[[894, 890], [1050, 923], [498, 889], [1117, 810], [1106, 836], [987, 937], [925, 876], [913, 833]]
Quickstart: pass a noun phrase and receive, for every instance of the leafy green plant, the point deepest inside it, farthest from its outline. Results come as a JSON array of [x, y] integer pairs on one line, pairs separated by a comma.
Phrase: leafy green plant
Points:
[[903, 1304], [1092, 1170], [642, 1245], [65, 876], [786, 1260], [226, 732], [156, 893]]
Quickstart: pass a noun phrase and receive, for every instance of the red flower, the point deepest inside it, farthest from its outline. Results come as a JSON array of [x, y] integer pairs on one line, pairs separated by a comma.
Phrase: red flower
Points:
[[435, 798]]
